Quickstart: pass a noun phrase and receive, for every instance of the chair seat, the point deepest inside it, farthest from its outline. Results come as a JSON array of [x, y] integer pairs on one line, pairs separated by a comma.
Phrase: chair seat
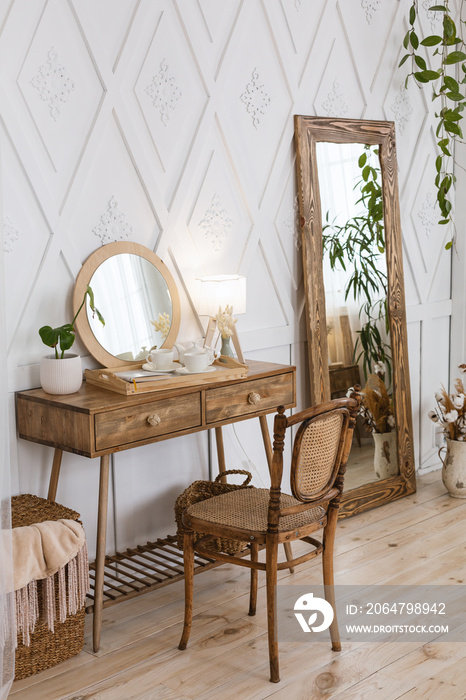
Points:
[[247, 509]]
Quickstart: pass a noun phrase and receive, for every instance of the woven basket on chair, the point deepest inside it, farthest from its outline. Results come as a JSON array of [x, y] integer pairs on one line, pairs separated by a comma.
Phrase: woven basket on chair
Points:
[[200, 491], [46, 648]]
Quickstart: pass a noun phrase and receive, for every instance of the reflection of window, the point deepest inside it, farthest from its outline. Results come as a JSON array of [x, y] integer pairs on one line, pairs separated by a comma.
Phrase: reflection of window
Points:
[[131, 292]]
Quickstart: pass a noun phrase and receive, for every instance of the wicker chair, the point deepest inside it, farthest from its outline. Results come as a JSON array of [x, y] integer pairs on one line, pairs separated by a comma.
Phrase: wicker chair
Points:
[[268, 517]]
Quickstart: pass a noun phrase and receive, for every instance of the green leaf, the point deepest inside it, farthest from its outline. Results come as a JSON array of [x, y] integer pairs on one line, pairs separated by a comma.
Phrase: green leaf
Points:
[[455, 96], [420, 62], [437, 8], [443, 222], [455, 57], [362, 160], [448, 245], [438, 163], [404, 59], [443, 145], [413, 38], [451, 115], [453, 128], [406, 40], [430, 40], [426, 75], [449, 28], [412, 14], [451, 83]]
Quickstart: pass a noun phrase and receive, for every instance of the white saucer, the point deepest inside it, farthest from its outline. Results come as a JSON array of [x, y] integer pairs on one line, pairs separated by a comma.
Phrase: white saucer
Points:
[[185, 370], [149, 367]]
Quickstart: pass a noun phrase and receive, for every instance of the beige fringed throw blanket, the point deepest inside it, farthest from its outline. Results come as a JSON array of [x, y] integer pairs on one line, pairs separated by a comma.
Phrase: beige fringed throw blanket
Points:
[[39, 552]]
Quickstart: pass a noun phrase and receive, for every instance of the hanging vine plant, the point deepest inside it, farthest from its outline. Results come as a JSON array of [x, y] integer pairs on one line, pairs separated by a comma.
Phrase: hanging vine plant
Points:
[[446, 72]]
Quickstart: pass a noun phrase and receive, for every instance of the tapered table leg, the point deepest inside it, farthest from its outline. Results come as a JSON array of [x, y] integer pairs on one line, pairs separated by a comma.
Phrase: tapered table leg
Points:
[[54, 475], [100, 554], [220, 453]]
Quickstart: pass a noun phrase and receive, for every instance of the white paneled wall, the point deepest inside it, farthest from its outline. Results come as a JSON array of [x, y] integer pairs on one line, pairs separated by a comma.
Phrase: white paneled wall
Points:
[[171, 120]]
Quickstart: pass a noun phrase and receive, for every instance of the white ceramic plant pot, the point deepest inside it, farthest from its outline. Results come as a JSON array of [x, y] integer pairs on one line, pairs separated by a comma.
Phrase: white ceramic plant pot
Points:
[[385, 457], [63, 376], [454, 469]]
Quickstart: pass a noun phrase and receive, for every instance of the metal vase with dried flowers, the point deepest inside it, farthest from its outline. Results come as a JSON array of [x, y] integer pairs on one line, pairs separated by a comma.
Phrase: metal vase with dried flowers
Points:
[[450, 414], [226, 326], [376, 410]]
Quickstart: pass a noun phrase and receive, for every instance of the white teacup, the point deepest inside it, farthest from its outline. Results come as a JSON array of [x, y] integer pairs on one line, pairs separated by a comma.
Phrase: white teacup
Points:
[[161, 358], [197, 361]]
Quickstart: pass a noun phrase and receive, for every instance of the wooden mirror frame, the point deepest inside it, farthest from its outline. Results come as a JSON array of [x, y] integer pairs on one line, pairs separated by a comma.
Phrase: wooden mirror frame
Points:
[[83, 279], [308, 132]]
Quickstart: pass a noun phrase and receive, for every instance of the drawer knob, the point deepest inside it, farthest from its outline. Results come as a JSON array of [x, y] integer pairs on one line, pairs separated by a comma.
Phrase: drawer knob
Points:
[[154, 420], [254, 398]]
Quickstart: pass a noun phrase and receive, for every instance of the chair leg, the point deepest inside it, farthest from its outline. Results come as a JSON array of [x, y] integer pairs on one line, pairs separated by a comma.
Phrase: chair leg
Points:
[[188, 558], [271, 578], [327, 570], [289, 555], [253, 589]]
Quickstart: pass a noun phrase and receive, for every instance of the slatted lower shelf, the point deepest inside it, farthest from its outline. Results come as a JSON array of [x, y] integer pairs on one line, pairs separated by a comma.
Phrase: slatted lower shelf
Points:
[[143, 569]]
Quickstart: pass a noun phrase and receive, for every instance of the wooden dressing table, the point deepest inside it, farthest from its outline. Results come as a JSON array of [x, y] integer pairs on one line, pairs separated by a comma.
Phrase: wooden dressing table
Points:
[[96, 422]]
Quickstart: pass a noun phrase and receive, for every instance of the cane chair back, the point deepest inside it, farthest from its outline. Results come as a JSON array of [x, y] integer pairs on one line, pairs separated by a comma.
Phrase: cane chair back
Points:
[[317, 454]]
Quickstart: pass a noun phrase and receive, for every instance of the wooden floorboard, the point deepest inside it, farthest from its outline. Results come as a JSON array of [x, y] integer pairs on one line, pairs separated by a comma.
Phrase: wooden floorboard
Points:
[[416, 540]]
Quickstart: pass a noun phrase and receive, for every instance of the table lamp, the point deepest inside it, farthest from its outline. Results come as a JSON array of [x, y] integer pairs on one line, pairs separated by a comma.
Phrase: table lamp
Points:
[[219, 291]]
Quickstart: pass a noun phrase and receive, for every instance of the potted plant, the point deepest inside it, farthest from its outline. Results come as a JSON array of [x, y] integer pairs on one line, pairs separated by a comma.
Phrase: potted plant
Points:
[[376, 410], [450, 414], [60, 373]]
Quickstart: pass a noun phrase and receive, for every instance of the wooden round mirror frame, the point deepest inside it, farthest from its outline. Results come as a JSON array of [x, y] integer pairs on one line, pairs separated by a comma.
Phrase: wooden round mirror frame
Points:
[[83, 279]]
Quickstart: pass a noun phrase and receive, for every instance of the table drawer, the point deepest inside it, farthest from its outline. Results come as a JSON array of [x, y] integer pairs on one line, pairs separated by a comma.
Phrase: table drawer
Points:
[[134, 423], [249, 397]]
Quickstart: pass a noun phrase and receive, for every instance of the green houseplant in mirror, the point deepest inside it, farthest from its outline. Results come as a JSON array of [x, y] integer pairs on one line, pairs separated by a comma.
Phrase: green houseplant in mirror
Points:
[[60, 373], [357, 246]]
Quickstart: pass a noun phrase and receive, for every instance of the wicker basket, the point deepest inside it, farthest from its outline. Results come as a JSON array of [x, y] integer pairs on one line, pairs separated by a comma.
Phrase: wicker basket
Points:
[[46, 648], [200, 491]]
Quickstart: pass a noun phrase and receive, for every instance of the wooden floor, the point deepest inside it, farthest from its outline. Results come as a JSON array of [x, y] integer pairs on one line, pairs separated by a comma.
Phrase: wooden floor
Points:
[[417, 540]]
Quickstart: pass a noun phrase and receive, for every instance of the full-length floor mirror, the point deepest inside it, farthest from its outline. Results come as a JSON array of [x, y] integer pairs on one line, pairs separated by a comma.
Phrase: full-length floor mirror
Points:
[[355, 305]]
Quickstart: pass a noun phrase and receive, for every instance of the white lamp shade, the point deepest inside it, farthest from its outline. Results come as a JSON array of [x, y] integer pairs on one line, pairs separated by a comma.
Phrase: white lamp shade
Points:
[[222, 290]]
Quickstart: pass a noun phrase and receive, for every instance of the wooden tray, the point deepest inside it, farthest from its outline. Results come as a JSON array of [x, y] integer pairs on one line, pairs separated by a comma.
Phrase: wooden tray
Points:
[[107, 379]]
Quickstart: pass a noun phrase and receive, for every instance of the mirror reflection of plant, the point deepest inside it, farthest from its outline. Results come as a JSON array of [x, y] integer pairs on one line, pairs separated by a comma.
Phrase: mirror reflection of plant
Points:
[[373, 348], [359, 243], [448, 77], [376, 407]]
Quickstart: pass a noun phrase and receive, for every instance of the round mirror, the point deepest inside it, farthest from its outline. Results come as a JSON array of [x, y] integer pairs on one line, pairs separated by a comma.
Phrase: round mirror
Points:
[[137, 296]]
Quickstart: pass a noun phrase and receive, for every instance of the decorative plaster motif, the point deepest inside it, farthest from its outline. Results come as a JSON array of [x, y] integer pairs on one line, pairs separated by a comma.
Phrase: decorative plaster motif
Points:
[[402, 108], [216, 224], [433, 17], [335, 105], [10, 235], [297, 4], [164, 92], [53, 84], [427, 213], [255, 98], [292, 223], [113, 224], [370, 7]]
